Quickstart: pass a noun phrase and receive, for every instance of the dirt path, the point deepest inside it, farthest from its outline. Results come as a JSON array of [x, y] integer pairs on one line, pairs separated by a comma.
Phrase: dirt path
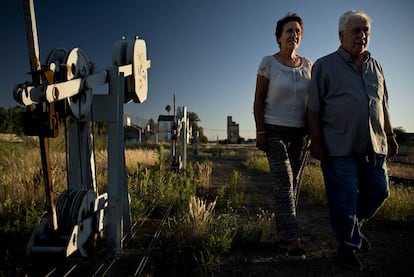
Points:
[[392, 243]]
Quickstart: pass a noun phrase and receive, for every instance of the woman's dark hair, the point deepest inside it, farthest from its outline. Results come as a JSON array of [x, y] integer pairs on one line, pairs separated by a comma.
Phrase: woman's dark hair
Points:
[[289, 17]]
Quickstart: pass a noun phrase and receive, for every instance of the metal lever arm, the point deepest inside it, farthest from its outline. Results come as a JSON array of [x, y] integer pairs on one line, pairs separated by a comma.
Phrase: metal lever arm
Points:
[[32, 41]]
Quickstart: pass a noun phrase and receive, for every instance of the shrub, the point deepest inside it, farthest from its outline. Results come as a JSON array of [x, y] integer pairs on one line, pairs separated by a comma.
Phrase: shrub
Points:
[[208, 236], [256, 160]]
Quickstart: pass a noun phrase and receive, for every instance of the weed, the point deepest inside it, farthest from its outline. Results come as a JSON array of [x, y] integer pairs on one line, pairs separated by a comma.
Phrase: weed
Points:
[[266, 221], [235, 196], [21, 217], [208, 235], [399, 205], [204, 170], [312, 186], [207, 263], [230, 196], [195, 223], [256, 160]]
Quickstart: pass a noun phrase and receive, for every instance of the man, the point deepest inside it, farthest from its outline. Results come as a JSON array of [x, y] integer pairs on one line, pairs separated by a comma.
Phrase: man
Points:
[[351, 134]]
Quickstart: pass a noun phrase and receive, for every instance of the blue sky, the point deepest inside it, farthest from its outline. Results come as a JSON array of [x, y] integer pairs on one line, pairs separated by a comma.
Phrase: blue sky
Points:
[[206, 52]]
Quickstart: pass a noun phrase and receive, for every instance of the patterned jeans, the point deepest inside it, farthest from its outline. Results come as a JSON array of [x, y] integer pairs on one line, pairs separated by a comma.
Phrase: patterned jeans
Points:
[[286, 155]]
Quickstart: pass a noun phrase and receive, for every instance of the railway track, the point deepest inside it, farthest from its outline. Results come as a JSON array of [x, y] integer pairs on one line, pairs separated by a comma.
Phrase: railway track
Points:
[[99, 265]]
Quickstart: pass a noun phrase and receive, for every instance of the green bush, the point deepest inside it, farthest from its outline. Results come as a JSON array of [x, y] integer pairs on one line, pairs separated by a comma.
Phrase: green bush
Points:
[[19, 217], [256, 160]]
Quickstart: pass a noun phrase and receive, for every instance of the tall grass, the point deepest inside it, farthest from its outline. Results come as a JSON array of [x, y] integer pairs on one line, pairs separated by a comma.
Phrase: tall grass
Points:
[[312, 186], [256, 160], [22, 196], [398, 207], [206, 235], [195, 223], [204, 171]]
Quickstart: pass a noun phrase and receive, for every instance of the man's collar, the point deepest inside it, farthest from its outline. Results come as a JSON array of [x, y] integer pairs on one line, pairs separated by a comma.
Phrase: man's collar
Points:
[[348, 58]]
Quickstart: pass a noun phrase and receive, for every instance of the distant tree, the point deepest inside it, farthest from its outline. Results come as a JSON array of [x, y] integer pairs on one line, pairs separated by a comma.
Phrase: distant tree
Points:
[[152, 125], [3, 120], [401, 136], [17, 120], [168, 109], [202, 137], [193, 120], [11, 120]]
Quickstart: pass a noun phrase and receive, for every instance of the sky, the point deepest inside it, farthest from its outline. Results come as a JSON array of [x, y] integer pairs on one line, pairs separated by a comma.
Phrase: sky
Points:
[[206, 53]]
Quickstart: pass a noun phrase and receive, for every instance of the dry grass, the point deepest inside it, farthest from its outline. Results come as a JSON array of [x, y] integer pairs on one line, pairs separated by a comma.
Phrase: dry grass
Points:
[[196, 222], [256, 160], [10, 138], [21, 176], [204, 171], [401, 170], [399, 206], [135, 157]]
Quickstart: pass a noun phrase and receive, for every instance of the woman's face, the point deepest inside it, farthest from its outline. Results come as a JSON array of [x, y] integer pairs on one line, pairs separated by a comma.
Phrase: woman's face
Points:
[[291, 35]]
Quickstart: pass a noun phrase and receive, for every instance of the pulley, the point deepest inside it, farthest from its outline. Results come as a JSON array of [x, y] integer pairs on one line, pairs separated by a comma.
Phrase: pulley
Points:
[[135, 53], [73, 208], [78, 66], [55, 59]]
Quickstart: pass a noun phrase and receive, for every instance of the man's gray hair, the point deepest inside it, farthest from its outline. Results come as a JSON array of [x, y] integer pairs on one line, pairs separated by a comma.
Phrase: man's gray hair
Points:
[[343, 20]]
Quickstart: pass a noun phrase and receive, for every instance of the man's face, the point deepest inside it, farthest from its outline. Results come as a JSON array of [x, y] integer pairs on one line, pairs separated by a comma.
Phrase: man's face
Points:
[[354, 38]]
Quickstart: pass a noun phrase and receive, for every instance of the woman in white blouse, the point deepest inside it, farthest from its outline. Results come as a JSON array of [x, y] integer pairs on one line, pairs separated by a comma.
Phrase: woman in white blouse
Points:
[[282, 89]]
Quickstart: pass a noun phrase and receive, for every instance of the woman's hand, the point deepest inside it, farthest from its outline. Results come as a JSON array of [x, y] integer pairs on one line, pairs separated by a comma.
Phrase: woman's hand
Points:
[[261, 141]]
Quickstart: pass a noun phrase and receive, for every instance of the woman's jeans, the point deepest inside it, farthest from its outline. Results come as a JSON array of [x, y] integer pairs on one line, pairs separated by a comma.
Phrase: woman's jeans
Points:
[[356, 187]]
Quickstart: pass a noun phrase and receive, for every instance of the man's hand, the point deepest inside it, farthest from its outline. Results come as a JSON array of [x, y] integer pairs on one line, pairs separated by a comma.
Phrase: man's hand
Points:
[[392, 146]]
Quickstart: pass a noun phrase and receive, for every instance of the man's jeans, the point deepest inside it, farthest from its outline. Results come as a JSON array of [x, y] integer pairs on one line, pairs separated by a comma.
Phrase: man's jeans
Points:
[[356, 187]]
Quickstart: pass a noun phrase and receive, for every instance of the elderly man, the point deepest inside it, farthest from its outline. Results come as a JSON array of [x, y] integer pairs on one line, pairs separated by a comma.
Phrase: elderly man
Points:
[[351, 134]]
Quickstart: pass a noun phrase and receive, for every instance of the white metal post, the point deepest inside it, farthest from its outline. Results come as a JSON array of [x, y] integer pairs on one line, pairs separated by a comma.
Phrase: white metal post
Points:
[[184, 135], [115, 164]]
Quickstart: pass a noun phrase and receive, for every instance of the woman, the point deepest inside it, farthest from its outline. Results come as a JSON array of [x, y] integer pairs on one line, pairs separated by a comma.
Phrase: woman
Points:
[[282, 88]]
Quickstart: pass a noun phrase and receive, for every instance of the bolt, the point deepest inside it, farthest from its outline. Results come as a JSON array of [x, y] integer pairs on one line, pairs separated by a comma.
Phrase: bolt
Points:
[[73, 69], [55, 93]]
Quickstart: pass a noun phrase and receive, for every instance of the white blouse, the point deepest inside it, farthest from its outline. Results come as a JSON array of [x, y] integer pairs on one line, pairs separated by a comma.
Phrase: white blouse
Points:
[[287, 93]]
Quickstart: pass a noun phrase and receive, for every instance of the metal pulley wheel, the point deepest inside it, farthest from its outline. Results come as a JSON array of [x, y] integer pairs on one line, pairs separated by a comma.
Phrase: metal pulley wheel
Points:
[[54, 61], [133, 52], [78, 66], [73, 206], [140, 65]]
